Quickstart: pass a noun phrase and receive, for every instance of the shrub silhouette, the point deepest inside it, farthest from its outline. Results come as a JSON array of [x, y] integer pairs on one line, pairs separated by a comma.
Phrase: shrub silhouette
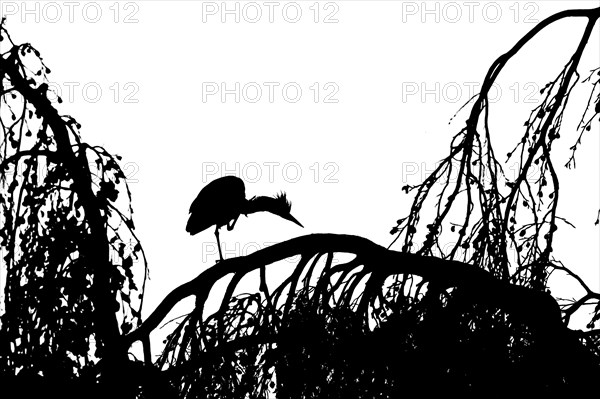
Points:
[[384, 323]]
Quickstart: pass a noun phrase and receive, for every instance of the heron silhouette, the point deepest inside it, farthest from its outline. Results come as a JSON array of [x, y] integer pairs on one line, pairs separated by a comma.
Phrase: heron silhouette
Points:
[[222, 201]]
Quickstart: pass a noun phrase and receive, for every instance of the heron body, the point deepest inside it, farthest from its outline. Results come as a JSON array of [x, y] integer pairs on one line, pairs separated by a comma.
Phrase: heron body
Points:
[[222, 201]]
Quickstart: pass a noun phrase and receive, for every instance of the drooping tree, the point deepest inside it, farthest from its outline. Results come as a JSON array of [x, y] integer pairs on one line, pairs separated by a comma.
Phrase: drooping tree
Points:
[[67, 236], [500, 215]]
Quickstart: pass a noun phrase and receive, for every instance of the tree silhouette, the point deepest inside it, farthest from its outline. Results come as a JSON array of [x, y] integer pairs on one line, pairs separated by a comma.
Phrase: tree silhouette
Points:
[[351, 320], [68, 247], [492, 196]]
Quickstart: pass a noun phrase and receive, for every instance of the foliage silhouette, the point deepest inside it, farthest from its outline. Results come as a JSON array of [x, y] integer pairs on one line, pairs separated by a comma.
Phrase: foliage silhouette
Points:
[[351, 320], [67, 237], [497, 200]]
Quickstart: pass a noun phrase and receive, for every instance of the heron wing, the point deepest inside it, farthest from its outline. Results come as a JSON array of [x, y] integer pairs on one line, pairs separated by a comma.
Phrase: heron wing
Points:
[[217, 203]]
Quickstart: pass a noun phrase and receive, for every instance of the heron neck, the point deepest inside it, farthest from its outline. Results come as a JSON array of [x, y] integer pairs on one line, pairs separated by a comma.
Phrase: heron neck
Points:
[[258, 204]]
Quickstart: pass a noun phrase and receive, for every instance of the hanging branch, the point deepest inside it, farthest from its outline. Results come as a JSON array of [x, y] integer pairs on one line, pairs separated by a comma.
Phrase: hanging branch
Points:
[[495, 202]]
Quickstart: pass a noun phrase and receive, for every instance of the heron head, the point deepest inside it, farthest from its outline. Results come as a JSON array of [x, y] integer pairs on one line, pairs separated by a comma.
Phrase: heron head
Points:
[[283, 208], [278, 205]]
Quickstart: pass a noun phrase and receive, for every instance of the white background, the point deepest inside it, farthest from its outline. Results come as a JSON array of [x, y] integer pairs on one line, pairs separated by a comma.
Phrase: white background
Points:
[[151, 61]]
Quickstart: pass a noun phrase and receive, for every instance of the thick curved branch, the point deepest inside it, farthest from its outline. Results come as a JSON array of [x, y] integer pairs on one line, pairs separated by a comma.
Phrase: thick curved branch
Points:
[[592, 14], [536, 307]]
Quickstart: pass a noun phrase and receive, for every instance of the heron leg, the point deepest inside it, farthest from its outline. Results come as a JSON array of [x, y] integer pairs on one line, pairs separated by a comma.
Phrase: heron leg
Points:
[[218, 242], [230, 226]]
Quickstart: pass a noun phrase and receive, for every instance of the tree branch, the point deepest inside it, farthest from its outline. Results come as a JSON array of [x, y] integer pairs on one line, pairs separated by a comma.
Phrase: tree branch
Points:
[[536, 307]]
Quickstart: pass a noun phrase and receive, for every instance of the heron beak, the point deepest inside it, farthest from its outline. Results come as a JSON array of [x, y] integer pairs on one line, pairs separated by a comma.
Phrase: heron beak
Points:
[[293, 219]]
